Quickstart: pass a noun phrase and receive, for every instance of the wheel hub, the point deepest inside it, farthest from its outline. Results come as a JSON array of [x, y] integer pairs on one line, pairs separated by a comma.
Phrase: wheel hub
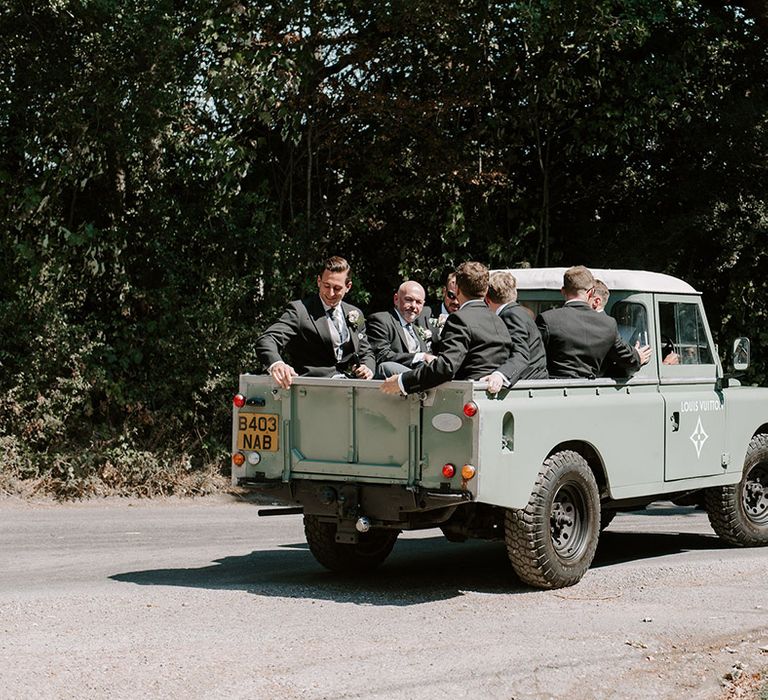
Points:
[[566, 523], [755, 495]]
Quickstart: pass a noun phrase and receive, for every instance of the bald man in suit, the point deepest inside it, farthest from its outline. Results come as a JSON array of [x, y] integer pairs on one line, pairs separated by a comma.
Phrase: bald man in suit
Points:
[[474, 341], [401, 337]]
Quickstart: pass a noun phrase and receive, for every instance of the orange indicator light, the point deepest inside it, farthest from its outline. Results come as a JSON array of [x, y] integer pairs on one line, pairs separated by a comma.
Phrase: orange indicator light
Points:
[[468, 471]]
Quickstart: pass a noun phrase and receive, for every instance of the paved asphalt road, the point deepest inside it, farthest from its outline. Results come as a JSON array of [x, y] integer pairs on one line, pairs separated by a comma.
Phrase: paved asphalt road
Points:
[[204, 599]]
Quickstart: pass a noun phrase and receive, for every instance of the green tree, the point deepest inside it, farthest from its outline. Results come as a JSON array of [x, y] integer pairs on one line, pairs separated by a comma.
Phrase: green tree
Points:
[[172, 172]]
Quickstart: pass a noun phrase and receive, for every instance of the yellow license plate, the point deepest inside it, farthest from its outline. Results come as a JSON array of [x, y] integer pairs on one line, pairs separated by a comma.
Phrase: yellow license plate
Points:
[[258, 431]]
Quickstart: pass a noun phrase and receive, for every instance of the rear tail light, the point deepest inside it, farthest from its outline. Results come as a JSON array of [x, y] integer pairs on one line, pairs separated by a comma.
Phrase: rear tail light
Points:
[[449, 470], [239, 400], [238, 459], [468, 472], [470, 409]]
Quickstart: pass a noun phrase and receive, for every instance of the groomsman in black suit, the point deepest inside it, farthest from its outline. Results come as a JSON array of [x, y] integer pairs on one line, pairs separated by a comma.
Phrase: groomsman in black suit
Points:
[[450, 302], [322, 335], [580, 342], [527, 359], [400, 338], [438, 313], [474, 343]]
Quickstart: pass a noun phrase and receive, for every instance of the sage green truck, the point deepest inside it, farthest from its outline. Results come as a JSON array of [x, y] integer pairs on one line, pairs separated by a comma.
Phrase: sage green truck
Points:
[[544, 465]]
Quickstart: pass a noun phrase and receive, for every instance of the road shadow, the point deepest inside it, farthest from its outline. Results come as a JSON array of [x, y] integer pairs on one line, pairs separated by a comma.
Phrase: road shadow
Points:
[[418, 571], [620, 547], [666, 509]]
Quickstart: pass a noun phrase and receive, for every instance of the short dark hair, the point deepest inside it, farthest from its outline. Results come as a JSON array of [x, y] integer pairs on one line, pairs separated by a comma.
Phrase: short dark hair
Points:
[[578, 279], [336, 264], [472, 279]]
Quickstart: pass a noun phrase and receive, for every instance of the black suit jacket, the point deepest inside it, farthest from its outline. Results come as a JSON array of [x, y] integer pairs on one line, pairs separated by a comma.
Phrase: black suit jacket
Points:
[[474, 343], [387, 337], [302, 332], [527, 359], [432, 314], [435, 309], [578, 342]]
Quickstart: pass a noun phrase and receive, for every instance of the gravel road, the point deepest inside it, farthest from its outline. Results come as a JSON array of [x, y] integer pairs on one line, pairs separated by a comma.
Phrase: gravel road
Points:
[[203, 599]]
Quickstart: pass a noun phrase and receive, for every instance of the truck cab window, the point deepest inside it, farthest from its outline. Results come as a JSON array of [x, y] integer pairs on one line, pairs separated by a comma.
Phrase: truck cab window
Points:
[[632, 320], [683, 337]]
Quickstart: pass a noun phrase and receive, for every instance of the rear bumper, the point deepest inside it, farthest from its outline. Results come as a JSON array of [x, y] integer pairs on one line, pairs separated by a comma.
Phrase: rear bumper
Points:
[[383, 503]]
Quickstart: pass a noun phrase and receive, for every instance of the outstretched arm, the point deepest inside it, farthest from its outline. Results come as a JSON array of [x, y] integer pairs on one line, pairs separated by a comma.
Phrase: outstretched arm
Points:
[[453, 350], [271, 344]]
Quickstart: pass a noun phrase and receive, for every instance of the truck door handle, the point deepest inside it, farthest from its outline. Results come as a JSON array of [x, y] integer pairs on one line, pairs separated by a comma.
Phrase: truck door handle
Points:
[[675, 420]]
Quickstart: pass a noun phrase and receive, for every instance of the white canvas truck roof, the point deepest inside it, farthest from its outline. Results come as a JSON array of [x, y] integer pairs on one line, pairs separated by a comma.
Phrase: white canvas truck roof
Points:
[[616, 280]]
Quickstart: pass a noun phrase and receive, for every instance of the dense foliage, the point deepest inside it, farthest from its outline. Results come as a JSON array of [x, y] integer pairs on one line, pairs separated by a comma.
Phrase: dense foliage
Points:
[[172, 171]]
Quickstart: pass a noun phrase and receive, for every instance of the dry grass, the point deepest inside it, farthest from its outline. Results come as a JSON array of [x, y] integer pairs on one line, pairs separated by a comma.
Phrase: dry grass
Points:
[[748, 686]]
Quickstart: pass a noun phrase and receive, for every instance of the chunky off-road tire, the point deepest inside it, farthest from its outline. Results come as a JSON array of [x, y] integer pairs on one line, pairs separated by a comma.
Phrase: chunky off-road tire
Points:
[[739, 513], [372, 548], [552, 541]]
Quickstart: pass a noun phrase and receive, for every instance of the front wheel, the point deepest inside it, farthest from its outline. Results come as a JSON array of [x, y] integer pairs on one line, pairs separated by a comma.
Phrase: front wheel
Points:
[[371, 549], [552, 541], [738, 513]]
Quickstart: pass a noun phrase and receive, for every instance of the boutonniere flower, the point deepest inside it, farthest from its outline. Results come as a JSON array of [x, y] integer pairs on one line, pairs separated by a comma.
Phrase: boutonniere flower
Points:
[[424, 333], [355, 318], [438, 322]]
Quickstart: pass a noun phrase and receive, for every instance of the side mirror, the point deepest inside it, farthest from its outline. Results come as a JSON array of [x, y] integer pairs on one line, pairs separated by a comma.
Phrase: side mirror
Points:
[[740, 354]]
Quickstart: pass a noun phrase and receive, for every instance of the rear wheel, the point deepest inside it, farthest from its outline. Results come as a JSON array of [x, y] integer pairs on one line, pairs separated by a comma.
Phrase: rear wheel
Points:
[[552, 541], [739, 513], [372, 547]]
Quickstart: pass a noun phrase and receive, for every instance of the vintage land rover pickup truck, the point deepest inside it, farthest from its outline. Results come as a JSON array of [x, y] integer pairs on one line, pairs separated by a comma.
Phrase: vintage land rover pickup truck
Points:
[[544, 465]]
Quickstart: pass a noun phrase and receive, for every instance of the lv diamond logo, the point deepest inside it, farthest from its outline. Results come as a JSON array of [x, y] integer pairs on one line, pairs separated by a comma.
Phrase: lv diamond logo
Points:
[[698, 438]]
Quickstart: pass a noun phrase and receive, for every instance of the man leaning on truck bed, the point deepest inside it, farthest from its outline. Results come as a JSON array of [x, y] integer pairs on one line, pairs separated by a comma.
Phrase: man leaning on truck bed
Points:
[[578, 341], [474, 342], [323, 335]]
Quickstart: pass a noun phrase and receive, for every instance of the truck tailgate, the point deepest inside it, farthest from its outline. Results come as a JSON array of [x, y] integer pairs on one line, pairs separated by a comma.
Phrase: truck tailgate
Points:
[[349, 428], [331, 429]]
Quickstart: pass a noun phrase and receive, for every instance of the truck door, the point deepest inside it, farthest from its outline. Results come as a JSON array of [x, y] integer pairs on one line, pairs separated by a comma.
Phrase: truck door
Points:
[[694, 408]]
